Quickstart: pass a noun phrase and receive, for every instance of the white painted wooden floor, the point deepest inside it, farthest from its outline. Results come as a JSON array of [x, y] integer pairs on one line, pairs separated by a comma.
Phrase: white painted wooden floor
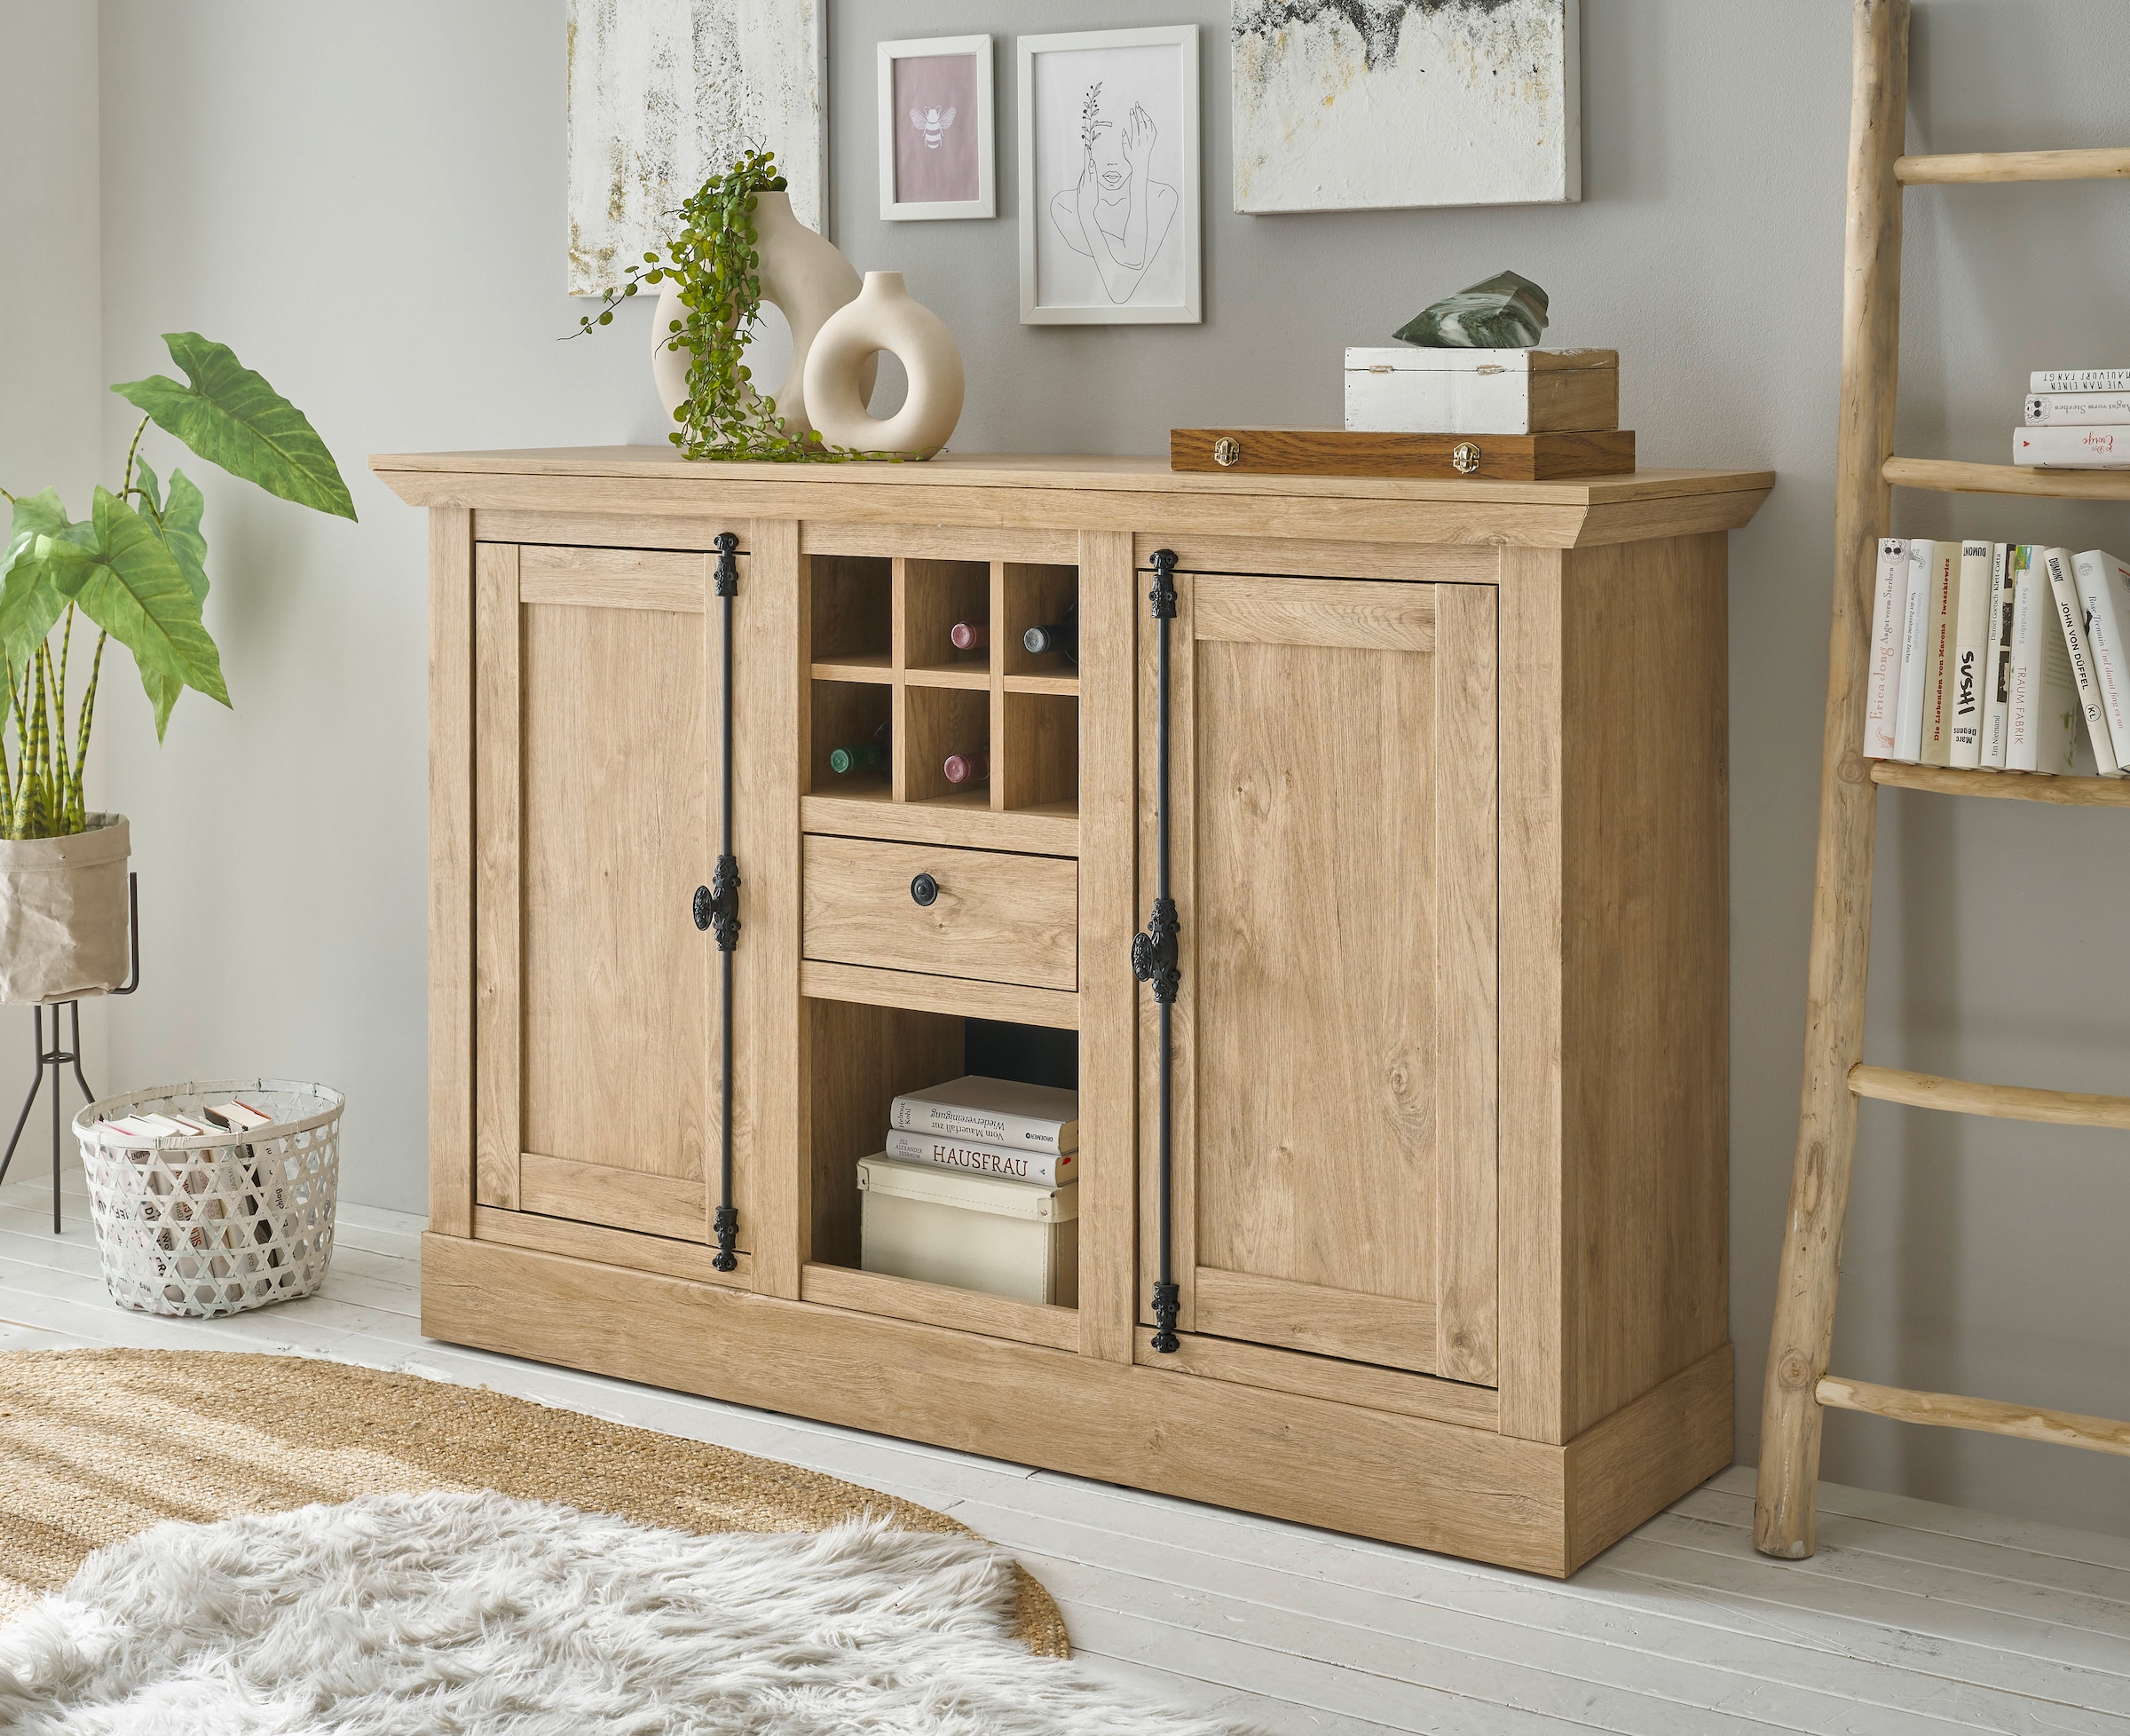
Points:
[[1913, 1619]]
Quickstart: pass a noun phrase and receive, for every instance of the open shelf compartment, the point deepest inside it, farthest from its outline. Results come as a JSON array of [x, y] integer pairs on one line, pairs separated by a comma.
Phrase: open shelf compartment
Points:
[[860, 1057]]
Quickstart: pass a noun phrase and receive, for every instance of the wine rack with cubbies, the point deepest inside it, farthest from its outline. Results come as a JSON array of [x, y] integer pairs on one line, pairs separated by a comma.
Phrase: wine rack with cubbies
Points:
[[879, 633]]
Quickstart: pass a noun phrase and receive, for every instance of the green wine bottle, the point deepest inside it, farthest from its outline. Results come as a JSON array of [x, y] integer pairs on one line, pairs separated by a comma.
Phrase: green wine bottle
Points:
[[861, 756]]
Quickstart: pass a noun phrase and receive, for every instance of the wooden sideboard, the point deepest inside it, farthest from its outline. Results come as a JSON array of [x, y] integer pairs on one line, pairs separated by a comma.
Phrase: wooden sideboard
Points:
[[1448, 1069]]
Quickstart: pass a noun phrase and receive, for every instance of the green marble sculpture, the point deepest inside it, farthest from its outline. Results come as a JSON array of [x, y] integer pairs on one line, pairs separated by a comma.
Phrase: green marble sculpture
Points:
[[1505, 313]]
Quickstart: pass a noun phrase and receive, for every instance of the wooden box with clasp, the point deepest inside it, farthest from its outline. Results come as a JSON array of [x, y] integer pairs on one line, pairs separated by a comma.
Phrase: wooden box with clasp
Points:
[[1430, 774]]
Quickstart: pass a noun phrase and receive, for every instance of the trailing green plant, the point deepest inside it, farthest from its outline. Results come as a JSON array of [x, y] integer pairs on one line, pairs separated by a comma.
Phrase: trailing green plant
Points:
[[716, 267], [136, 570]]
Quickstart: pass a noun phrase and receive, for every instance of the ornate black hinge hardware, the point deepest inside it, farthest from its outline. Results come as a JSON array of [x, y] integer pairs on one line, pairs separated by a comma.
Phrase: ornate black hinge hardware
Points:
[[722, 915], [1154, 948]]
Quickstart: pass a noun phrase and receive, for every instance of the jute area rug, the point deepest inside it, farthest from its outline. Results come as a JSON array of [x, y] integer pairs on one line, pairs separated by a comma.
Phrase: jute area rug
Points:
[[96, 1445]]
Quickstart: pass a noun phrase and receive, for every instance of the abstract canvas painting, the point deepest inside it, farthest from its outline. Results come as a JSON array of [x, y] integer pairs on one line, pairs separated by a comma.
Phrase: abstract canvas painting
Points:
[[1354, 105], [1109, 176], [665, 94]]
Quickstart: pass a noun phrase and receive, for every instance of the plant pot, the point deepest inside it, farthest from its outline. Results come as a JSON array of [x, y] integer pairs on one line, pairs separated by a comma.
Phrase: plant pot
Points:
[[63, 913], [885, 317], [803, 276]]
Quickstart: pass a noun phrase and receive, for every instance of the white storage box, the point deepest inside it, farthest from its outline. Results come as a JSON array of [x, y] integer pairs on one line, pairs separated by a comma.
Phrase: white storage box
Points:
[[1412, 391], [975, 1232]]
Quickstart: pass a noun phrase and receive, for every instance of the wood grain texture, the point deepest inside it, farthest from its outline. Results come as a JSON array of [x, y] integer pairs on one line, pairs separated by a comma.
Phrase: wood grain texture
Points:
[[2014, 786], [1034, 596], [1926, 1091], [996, 918], [1970, 167], [936, 595], [1107, 592], [1325, 847], [933, 722], [607, 1246], [1533, 1323], [858, 1059], [950, 820], [596, 530], [1948, 476], [611, 579], [1372, 1386], [1358, 1325], [771, 624], [499, 906], [617, 997], [937, 1305], [662, 1205], [1646, 1455], [938, 542], [1467, 952], [1036, 754], [1013, 495], [1950, 1410], [1315, 612], [452, 1113], [1644, 934], [1341, 452], [1403, 1478], [1318, 556], [924, 993], [1809, 1272], [849, 613]]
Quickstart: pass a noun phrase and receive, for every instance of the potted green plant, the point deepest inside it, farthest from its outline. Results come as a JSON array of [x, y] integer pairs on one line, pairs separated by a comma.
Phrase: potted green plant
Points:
[[134, 570]]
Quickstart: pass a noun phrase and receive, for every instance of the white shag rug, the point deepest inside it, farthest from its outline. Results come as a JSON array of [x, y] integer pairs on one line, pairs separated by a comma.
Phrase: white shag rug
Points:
[[411, 1614]]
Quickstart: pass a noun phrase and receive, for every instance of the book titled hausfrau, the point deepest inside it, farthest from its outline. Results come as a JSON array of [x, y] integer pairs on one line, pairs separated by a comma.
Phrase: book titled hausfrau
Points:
[[1043, 1169], [999, 1113]]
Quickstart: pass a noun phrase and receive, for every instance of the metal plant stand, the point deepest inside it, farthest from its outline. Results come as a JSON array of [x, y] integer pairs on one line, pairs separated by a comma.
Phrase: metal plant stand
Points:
[[59, 1057]]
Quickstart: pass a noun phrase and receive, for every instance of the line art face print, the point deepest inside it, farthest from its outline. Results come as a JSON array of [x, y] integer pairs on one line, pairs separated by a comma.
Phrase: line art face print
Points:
[[1117, 213]]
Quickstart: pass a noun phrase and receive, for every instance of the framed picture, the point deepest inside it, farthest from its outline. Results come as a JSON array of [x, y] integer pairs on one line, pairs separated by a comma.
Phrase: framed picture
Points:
[[938, 156], [1374, 107], [1109, 178], [664, 96]]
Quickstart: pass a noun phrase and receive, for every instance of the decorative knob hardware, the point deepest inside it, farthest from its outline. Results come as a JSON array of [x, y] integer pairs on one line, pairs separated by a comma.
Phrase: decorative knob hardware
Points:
[[1227, 451], [1465, 458], [924, 890]]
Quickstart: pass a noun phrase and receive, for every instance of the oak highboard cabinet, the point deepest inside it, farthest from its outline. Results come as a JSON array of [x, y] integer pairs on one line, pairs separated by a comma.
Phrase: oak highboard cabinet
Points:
[[1446, 825]]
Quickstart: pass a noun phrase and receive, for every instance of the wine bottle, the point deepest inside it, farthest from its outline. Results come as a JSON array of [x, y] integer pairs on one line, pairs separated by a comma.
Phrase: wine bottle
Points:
[[861, 756], [971, 636], [967, 768], [1062, 637]]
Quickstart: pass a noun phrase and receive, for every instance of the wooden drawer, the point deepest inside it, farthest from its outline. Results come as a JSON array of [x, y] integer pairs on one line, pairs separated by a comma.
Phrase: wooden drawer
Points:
[[996, 918]]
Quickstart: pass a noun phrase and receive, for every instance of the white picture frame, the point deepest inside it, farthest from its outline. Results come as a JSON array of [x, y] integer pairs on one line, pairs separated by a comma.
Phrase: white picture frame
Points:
[[1119, 110], [912, 134]]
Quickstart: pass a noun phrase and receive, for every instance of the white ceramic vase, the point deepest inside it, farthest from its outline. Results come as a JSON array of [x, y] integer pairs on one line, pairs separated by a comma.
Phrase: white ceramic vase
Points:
[[803, 276], [838, 385]]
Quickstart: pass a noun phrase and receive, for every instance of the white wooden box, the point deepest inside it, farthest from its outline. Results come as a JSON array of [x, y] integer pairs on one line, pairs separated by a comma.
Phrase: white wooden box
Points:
[[1412, 391], [975, 1232]]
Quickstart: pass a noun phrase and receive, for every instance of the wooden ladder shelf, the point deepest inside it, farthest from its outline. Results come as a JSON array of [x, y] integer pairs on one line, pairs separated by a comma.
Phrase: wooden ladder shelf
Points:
[[1799, 1388]]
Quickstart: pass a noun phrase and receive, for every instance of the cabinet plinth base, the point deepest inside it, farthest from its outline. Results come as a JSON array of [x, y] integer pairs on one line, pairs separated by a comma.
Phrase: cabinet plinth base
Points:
[[1527, 1504]]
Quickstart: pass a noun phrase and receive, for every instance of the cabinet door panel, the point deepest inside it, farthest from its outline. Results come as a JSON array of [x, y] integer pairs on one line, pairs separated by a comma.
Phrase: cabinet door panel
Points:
[[597, 1024], [1335, 774]]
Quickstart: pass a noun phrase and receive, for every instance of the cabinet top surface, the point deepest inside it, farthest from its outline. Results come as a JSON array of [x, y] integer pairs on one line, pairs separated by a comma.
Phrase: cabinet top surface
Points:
[[1099, 474]]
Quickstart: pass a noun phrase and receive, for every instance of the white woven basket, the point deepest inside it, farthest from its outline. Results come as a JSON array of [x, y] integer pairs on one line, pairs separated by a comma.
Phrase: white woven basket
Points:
[[215, 1226]]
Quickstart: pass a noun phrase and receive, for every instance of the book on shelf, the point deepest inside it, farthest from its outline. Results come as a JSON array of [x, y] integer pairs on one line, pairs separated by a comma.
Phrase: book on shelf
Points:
[[2051, 380], [1042, 1169], [2104, 588], [2044, 699], [1882, 679], [2078, 409], [992, 1112], [2071, 612], [1908, 693], [1970, 628], [1996, 662], [2073, 448]]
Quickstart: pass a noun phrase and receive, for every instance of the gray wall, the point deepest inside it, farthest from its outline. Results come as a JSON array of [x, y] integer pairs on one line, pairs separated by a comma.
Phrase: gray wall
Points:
[[367, 202]]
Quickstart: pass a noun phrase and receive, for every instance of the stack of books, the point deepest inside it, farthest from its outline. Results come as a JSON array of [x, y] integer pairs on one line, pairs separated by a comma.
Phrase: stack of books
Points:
[[993, 1127], [2077, 419], [1998, 657]]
